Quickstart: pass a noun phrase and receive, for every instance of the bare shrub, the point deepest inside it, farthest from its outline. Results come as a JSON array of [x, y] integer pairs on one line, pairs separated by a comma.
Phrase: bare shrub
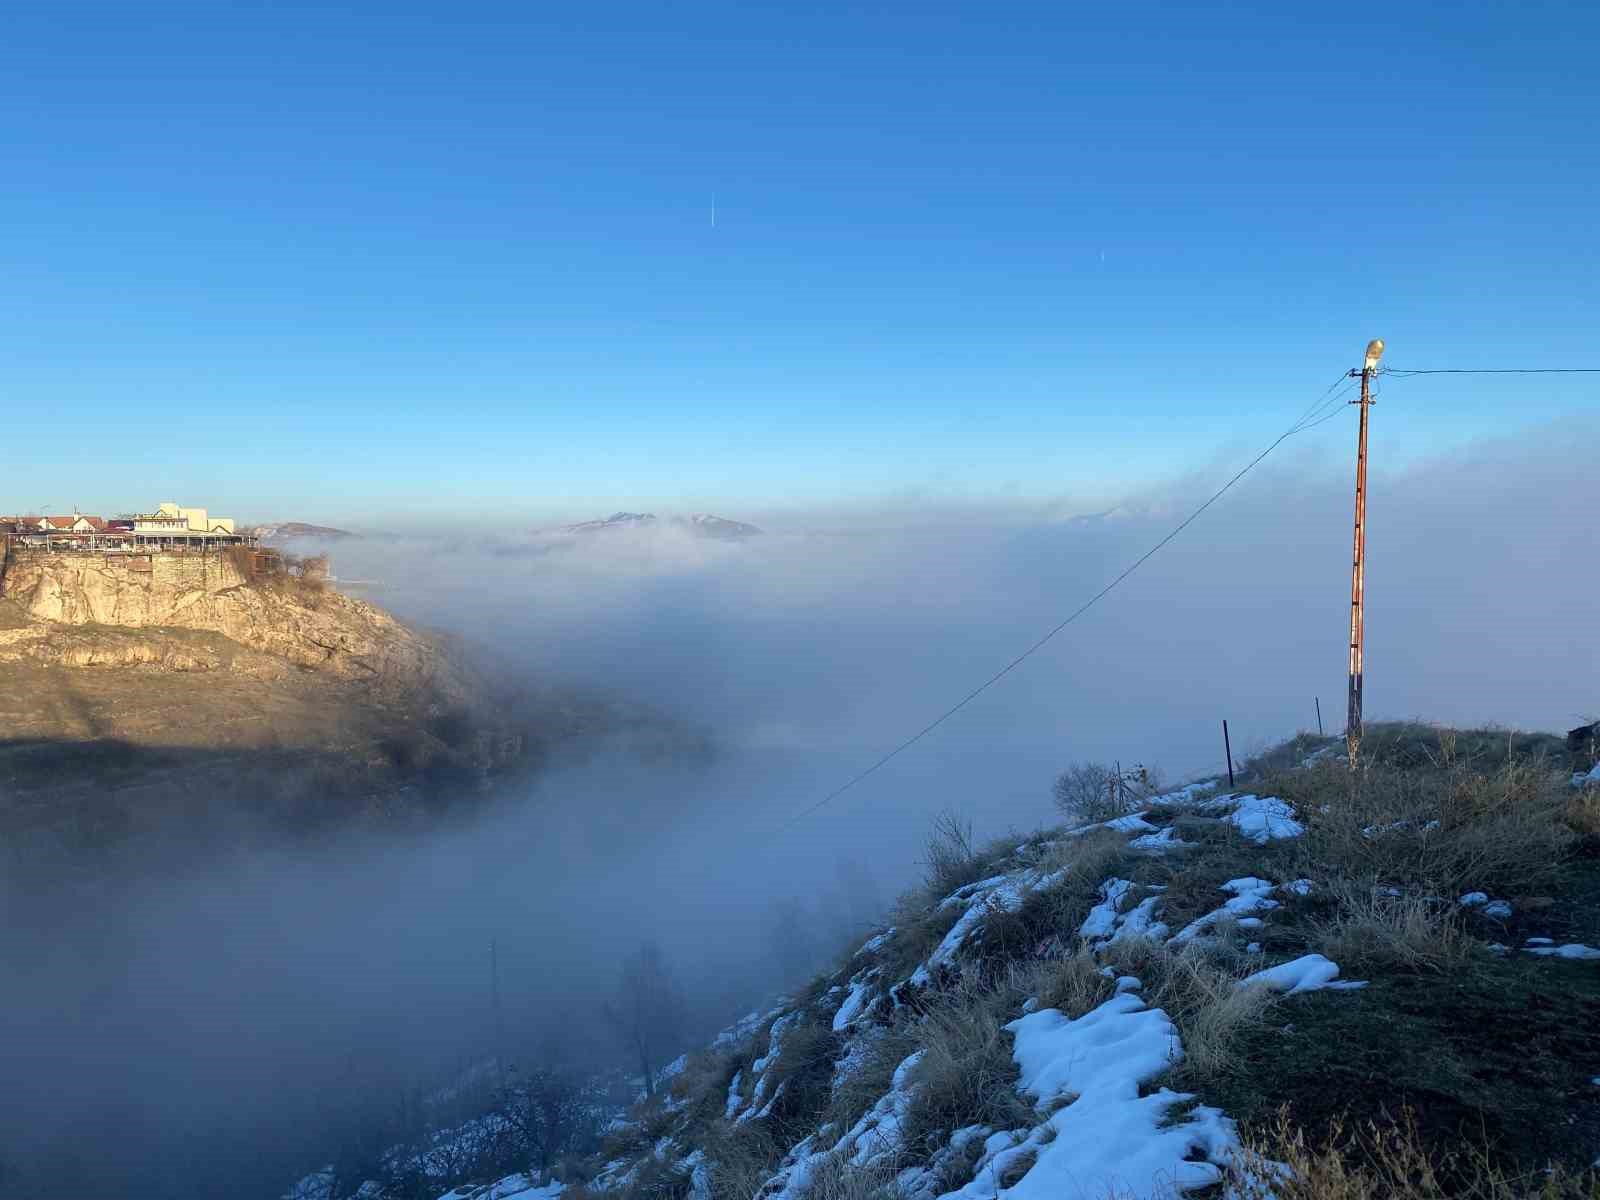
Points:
[[1089, 791], [1385, 1162], [966, 1075], [1372, 927], [241, 559], [647, 1012], [949, 860]]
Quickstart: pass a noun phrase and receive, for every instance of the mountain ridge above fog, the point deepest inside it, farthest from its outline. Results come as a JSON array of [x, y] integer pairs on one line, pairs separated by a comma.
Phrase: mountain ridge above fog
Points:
[[277, 532], [706, 525]]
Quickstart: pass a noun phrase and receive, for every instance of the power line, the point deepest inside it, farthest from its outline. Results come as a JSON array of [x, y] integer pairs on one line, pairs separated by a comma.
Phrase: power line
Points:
[[1327, 409], [1496, 371], [1298, 427], [1324, 399]]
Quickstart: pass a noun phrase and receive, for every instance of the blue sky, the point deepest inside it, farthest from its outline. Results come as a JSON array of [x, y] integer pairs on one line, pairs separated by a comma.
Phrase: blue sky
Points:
[[418, 259]]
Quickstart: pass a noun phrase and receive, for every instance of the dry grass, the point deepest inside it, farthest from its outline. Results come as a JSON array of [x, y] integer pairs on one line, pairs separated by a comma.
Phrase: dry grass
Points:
[[1408, 745], [1374, 929], [919, 927], [835, 1179], [804, 1070], [1197, 989], [871, 1075], [741, 1157], [1450, 827], [1073, 985], [703, 1085], [950, 860], [1048, 918], [1090, 856], [658, 1180], [1386, 1162], [1194, 881], [1286, 756], [1583, 813], [966, 1075]]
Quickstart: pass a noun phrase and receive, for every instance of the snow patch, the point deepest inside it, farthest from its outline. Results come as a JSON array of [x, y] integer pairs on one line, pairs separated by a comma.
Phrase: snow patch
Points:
[[1163, 839], [1265, 818], [1572, 950], [1183, 797], [873, 944], [1250, 895], [1310, 973], [855, 1002], [1102, 918], [1107, 1139]]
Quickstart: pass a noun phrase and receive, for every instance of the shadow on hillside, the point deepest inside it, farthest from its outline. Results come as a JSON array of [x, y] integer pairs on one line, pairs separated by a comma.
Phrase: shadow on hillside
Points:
[[67, 799]]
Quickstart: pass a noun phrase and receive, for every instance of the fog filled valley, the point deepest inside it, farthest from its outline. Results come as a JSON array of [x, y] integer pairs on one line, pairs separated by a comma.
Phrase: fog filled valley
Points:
[[227, 1016]]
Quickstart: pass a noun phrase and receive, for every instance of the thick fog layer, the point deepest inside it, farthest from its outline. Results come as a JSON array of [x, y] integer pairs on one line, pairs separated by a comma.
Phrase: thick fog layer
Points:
[[229, 1018]]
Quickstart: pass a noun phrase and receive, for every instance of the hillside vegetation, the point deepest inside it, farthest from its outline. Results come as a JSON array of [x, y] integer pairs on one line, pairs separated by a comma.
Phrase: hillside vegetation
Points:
[[1325, 984]]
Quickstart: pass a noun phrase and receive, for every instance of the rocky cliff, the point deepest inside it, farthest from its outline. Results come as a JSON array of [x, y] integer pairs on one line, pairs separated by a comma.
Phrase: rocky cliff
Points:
[[147, 699], [300, 623]]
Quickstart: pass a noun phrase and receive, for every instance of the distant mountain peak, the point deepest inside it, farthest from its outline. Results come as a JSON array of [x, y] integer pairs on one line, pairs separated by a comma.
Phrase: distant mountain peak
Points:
[[710, 525], [707, 525], [283, 531]]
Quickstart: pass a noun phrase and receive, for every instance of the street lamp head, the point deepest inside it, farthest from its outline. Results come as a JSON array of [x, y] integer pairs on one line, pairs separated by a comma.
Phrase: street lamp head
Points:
[[1374, 353]]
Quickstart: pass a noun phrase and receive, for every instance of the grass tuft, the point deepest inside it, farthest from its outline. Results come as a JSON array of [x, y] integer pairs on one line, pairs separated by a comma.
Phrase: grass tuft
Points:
[[1373, 929], [966, 1075], [1197, 989], [1386, 1161]]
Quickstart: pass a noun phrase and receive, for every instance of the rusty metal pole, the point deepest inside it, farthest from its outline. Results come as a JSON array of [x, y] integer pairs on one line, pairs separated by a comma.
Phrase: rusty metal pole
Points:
[[1358, 565]]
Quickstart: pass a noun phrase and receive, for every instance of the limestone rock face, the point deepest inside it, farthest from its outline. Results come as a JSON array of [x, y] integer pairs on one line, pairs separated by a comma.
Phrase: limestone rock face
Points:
[[308, 626]]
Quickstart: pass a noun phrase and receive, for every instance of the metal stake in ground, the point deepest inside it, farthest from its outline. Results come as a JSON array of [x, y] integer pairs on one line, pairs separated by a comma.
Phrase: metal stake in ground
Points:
[[1358, 566], [1227, 748]]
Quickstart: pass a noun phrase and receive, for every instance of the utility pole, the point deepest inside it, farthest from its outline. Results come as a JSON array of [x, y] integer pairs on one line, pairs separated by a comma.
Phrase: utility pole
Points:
[[1358, 566]]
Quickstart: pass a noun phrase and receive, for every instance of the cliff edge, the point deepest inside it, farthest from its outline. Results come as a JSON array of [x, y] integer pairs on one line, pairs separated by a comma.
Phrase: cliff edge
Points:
[[300, 621]]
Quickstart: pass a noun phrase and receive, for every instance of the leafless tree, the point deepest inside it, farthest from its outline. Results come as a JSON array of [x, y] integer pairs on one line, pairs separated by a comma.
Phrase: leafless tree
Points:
[[1090, 791], [647, 1013]]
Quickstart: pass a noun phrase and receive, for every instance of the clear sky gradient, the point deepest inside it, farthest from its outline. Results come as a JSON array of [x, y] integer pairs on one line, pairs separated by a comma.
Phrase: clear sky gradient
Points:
[[346, 263]]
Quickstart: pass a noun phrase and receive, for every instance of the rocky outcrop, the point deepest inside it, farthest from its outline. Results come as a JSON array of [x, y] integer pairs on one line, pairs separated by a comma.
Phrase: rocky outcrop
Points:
[[302, 623], [165, 650]]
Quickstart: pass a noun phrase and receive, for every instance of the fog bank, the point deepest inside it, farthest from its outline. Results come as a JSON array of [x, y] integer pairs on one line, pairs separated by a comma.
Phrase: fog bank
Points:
[[236, 1012]]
